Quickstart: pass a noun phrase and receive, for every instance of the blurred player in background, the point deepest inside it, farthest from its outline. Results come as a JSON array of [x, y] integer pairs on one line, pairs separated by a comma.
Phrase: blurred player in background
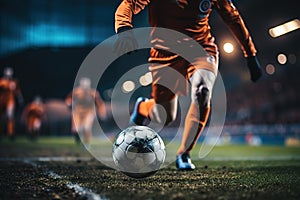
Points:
[[190, 17], [84, 99], [9, 92], [33, 116]]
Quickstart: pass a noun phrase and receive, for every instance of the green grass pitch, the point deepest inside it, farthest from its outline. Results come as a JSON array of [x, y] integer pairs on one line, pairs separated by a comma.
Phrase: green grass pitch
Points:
[[228, 172]]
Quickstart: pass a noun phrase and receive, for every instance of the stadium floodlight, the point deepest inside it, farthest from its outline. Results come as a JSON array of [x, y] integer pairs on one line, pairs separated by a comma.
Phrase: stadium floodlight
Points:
[[284, 28]]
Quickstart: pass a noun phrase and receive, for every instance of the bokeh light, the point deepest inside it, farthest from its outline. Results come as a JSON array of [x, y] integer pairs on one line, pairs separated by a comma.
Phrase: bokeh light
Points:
[[270, 69], [281, 58], [146, 79], [228, 47], [128, 86]]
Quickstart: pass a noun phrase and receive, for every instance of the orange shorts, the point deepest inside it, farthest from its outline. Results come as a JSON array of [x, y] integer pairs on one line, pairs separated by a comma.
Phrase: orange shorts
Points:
[[171, 73], [83, 118]]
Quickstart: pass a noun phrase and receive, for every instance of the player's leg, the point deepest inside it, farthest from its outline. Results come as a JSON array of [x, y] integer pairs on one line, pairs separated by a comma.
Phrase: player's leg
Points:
[[36, 127], [165, 111], [197, 116], [88, 121], [141, 111], [29, 125], [76, 123], [168, 80], [10, 118], [159, 110]]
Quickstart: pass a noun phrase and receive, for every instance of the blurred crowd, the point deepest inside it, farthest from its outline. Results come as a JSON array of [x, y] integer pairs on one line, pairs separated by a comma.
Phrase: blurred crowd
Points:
[[275, 100]]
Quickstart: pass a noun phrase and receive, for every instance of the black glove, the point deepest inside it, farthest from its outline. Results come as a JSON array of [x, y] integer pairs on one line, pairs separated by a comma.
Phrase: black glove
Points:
[[125, 42], [254, 68]]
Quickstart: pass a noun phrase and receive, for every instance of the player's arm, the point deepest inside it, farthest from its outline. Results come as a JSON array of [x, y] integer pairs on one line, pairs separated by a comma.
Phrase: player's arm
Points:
[[125, 11], [233, 19], [101, 109], [68, 99], [123, 24]]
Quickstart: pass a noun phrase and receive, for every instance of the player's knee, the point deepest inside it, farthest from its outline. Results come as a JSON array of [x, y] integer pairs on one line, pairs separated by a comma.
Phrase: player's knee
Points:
[[202, 96]]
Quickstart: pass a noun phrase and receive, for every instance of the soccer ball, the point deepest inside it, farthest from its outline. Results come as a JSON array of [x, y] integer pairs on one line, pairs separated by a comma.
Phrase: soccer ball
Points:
[[138, 151]]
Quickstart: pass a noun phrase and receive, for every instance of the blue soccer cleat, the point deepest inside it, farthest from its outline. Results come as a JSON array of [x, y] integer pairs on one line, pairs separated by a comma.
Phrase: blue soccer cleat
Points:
[[137, 118], [183, 162]]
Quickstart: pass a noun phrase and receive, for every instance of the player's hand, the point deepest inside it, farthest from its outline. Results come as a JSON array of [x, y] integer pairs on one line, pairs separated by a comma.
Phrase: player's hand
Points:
[[254, 68], [125, 42]]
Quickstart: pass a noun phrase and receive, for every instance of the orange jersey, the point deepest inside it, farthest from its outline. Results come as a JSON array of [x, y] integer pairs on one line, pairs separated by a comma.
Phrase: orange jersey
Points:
[[190, 17], [9, 89], [85, 99], [33, 115], [34, 110]]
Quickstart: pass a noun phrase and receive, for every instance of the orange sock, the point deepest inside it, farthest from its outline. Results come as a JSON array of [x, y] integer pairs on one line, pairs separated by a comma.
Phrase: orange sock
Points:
[[194, 125], [146, 106]]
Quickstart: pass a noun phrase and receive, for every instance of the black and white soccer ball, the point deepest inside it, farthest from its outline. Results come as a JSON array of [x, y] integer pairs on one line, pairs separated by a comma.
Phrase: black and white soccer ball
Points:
[[138, 151]]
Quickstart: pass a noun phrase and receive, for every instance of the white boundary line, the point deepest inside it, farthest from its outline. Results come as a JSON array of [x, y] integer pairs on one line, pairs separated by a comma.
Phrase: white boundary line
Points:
[[82, 191], [48, 159]]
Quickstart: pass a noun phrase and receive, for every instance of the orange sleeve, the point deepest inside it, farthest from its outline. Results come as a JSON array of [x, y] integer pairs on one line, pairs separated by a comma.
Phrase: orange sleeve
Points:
[[100, 105], [233, 19], [68, 99], [123, 14]]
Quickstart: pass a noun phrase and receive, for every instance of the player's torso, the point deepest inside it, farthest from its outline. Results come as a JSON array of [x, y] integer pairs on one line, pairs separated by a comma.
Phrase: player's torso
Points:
[[7, 89], [84, 98], [190, 19], [174, 15], [35, 110]]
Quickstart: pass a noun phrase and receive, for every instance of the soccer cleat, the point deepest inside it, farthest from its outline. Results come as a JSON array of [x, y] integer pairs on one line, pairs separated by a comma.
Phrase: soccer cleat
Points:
[[183, 162], [137, 118]]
